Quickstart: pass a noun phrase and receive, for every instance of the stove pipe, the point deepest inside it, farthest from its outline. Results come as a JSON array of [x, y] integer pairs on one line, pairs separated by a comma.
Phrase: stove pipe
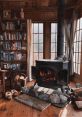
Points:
[[60, 35]]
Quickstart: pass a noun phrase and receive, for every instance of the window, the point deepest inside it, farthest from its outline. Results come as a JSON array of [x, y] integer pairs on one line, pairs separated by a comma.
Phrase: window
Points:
[[53, 40], [77, 47], [37, 36], [65, 46]]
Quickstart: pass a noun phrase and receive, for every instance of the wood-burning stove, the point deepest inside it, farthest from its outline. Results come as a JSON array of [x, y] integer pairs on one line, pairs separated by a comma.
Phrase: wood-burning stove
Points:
[[50, 72]]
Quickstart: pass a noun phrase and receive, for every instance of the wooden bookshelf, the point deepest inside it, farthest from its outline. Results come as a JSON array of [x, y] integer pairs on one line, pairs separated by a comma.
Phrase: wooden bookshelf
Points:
[[13, 42], [13, 46], [15, 36]]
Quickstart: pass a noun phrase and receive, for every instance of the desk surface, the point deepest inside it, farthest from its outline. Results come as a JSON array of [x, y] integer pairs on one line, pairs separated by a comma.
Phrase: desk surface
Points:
[[16, 109]]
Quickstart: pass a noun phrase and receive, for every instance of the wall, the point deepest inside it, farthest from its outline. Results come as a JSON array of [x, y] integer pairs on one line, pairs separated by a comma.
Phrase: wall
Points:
[[47, 40]]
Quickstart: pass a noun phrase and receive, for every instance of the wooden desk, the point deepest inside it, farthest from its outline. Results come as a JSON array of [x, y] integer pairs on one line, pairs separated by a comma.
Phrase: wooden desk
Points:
[[16, 109]]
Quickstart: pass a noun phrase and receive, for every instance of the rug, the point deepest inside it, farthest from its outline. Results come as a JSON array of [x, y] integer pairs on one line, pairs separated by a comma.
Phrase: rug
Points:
[[33, 102]]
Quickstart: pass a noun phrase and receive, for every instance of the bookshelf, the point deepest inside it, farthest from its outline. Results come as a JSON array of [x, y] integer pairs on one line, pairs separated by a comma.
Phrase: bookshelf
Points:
[[13, 46], [13, 39], [13, 42]]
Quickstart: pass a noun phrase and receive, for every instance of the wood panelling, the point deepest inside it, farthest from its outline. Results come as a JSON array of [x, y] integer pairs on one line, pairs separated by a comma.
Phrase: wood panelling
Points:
[[39, 9], [47, 40], [41, 16]]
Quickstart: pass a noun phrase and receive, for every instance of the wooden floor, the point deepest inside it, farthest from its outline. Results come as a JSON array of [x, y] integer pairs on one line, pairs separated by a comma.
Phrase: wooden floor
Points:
[[16, 109]]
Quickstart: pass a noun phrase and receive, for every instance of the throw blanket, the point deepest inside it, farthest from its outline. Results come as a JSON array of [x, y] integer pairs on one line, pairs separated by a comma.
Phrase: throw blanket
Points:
[[55, 97]]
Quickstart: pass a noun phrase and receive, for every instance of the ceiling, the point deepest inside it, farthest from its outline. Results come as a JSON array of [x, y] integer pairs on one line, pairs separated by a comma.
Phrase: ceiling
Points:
[[42, 6], [39, 3]]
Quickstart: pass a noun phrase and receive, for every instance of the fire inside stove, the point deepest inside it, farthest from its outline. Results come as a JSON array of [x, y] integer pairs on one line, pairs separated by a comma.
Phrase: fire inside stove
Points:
[[46, 76]]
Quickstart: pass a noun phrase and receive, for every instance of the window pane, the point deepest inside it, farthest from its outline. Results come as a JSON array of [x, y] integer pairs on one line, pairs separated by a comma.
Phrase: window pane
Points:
[[56, 37], [80, 23], [36, 48], [79, 58], [40, 56], [53, 55], [40, 38], [40, 47], [79, 48], [78, 35], [53, 38], [56, 27], [76, 57], [35, 56], [78, 69], [56, 47], [35, 38], [35, 27], [53, 47], [53, 28], [76, 50], [81, 35], [40, 28], [74, 47]]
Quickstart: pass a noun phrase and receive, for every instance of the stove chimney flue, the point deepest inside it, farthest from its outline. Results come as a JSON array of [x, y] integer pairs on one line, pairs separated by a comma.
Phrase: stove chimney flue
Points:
[[60, 35]]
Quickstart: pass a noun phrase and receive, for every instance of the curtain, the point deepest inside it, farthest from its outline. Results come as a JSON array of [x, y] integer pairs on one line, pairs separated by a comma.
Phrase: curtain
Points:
[[29, 49], [70, 28]]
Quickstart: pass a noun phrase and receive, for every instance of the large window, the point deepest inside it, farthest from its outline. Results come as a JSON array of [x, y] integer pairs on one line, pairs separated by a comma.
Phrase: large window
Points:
[[37, 36], [65, 46], [77, 47], [53, 40]]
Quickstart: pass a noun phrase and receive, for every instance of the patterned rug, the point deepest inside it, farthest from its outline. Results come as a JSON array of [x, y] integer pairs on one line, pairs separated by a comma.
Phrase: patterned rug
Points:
[[33, 102]]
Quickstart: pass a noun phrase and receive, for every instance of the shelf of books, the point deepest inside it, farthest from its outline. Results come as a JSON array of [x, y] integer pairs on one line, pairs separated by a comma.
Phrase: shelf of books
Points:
[[13, 41]]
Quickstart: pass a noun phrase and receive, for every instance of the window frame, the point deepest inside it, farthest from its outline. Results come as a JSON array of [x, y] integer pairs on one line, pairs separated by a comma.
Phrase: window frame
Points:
[[39, 43], [54, 42], [77, 48]]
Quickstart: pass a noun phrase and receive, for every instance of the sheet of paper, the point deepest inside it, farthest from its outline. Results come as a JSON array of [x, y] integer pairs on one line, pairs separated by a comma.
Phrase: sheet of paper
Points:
[[40, 89], [50, 91], [45, 90]]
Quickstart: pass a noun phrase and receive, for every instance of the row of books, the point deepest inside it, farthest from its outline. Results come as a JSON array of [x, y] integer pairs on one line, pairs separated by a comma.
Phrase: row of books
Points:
[[11, 56], [10, 66], [15, 25], [13, 36], [12, 46]]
